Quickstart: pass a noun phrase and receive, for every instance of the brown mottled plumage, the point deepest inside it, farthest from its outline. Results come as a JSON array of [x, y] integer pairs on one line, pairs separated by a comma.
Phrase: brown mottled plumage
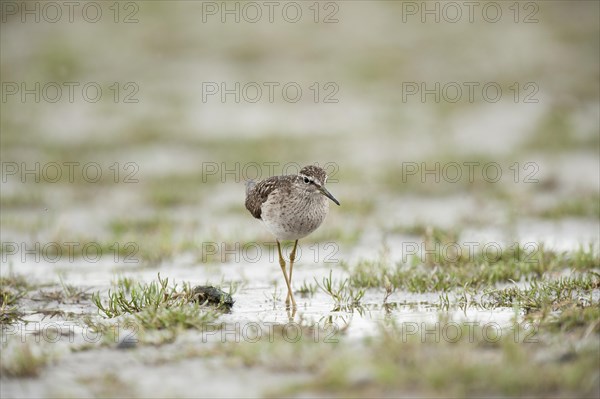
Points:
[[257, 193], [261, 190]]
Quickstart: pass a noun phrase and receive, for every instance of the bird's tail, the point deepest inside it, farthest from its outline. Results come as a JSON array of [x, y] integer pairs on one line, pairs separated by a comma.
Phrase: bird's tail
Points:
[[249, 186]]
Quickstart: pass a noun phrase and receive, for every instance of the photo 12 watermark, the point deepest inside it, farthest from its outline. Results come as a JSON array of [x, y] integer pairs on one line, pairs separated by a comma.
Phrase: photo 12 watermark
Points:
[[238, 172], [270, 92], [255, 252], [69, 172], [71, 92], [469, 172], [53, 12], [255, 332], [68, 252], [54, 332], [469, 92], [252, 12], [453, 251], [452, 12], [466, 331]]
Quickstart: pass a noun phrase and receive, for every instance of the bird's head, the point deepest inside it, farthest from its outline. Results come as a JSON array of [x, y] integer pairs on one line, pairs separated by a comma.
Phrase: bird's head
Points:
[[313, 178]]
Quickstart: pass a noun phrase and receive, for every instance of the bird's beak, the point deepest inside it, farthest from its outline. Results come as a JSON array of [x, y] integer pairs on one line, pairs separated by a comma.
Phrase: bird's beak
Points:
[[326, 193]]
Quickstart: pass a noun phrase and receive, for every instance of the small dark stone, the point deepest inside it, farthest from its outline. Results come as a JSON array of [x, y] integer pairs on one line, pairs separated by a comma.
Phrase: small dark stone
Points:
[[212, 296], [129, 342], [567, 357]]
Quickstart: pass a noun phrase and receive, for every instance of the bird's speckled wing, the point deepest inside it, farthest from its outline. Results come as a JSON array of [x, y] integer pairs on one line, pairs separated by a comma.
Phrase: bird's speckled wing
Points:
[[257, 193]]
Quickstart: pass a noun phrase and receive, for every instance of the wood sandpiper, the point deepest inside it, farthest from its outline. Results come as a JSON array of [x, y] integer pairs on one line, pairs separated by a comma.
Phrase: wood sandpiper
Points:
[[291, 207]]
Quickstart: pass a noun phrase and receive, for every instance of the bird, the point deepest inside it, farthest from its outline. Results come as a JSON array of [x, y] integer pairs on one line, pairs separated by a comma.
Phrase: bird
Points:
[[291, 207]]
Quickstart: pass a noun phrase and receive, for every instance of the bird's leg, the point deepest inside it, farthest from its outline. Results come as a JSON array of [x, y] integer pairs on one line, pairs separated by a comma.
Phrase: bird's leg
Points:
[[291, 314], [292, 259], [285, 276]]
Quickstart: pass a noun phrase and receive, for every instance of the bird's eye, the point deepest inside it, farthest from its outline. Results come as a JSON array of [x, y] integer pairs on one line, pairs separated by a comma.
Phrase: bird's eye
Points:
[[306, 180]]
